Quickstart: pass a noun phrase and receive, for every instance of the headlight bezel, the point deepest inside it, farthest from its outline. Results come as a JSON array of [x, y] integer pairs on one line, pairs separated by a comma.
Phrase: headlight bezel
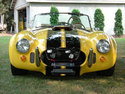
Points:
[[100, 42], [18, 43]]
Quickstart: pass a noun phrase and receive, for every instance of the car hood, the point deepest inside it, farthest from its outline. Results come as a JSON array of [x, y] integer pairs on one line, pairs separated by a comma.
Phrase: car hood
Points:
[[54, 39], [48, 38]]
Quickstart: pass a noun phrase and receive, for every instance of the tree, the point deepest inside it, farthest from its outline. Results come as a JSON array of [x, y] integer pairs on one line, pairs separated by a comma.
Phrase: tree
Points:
[[5, 10], [54, 15], [118, 29], [3, 7], [99, 19], [75, 16]]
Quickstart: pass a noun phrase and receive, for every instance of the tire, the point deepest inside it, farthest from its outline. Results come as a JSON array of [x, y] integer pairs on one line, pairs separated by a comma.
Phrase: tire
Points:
[[108, 72], [16, 71]]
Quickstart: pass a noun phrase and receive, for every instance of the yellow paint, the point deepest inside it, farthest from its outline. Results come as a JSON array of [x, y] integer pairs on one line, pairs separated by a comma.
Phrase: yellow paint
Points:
[[63, 67], [39, 39], [21, 23], [63, 39], [62, 74], [36, 40], [89, 40]]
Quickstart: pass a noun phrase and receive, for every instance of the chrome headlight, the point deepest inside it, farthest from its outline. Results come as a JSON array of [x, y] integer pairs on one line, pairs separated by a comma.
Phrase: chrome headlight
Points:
[[23, 45], [103, 46], [71, 56]]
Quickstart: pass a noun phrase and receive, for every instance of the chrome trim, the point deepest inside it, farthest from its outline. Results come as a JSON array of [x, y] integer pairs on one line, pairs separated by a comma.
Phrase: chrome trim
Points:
[[37, 57], [90, 58], [22, 40], [99, 42]]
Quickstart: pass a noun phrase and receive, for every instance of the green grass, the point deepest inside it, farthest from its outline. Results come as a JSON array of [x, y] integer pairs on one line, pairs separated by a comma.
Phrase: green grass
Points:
[[35, 83]]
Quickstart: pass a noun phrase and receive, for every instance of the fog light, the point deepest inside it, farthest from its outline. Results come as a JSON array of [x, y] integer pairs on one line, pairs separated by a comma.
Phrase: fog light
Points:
[[68, 51], [53, 55], [102, 59], [23, 58], [49, 51], [71, 56]]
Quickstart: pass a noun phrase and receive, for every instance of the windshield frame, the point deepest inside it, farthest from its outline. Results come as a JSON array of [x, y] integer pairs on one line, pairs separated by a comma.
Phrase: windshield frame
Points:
[[81, 14]]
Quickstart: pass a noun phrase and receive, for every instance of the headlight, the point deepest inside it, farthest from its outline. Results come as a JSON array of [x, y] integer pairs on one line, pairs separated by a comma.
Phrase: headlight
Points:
[[23, 45], [103, 46]]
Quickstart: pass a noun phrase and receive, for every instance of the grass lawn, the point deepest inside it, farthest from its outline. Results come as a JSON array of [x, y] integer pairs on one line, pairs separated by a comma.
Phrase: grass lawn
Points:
[[34, 83]]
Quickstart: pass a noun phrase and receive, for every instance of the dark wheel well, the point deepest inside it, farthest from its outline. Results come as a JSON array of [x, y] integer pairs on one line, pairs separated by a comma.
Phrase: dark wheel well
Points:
[[108, 72], [16, 71]]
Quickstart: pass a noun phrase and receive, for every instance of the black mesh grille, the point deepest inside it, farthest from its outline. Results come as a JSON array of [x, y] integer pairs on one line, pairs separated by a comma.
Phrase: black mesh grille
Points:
[[62, 57]]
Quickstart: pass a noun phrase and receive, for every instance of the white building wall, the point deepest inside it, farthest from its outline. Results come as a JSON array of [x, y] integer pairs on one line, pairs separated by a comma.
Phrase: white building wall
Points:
[[20, 4], [107, 9]]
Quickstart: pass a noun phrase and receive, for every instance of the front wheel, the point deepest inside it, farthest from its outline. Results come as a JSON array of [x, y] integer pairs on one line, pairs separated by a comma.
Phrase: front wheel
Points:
[[16, 71], [108, 72]]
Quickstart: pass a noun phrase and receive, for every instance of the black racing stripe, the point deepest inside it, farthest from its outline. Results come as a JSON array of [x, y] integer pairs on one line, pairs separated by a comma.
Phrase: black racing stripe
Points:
[[72, 39], [54, 39]]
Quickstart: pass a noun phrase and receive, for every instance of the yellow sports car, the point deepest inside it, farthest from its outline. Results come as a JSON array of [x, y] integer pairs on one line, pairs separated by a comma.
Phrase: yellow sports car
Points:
[[62, 44]]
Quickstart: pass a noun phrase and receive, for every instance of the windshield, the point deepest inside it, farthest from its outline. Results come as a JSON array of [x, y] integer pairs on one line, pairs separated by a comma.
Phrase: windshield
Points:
[[45, 20]]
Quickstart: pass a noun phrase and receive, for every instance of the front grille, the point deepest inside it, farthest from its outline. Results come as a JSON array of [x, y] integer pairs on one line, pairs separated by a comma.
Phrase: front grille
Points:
[[62, 57]]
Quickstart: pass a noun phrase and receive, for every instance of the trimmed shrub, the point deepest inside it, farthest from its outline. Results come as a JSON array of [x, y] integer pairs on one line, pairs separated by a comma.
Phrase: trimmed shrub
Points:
[[118, 29], [99, 19], [76, 16], [54, 18]]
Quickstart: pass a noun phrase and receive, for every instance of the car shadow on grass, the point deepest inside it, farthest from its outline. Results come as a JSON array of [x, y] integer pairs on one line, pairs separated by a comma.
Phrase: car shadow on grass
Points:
[[119, 73], [38, 75]]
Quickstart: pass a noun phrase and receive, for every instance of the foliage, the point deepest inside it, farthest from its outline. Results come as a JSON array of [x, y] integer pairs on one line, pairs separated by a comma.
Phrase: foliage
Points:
[[76, 15], [3, 6], [54, 18], [99, 19], [118, 29], [5, 9], [9, 19]]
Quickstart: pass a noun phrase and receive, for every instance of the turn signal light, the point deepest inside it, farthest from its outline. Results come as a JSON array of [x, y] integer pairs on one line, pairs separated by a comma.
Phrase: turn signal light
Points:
[[23, 58], [102, 59]]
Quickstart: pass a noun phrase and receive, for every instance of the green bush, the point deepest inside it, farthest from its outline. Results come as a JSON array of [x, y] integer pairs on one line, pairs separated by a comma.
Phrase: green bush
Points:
[[118, 29], [54, 18], [99, 19], [76, 16]]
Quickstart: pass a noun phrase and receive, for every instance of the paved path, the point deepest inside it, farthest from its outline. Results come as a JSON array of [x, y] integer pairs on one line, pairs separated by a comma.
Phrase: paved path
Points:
[[6, 34], [123, 36]]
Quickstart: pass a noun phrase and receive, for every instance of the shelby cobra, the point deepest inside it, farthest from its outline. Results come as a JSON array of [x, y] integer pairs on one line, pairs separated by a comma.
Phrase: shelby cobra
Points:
[[70, 47]]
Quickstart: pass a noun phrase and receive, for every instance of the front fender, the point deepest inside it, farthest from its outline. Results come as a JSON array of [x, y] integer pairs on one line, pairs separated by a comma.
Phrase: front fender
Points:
[[90, 42], [15, 56]]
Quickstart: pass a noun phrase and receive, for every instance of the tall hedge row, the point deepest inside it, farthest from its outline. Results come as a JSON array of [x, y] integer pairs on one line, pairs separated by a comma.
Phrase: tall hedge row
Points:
[[76, 16], [54, 18], [118, 29], [99, 19]]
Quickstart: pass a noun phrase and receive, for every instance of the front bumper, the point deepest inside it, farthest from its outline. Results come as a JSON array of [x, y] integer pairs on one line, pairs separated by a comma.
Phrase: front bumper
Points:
[[91, 63]]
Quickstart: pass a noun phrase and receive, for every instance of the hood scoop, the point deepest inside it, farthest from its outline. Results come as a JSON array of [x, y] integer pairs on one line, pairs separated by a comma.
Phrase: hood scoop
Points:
[[58, 28]]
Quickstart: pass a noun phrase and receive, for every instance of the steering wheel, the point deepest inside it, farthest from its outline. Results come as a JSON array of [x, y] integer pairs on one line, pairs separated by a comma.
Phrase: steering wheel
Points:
[[75, 18]]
